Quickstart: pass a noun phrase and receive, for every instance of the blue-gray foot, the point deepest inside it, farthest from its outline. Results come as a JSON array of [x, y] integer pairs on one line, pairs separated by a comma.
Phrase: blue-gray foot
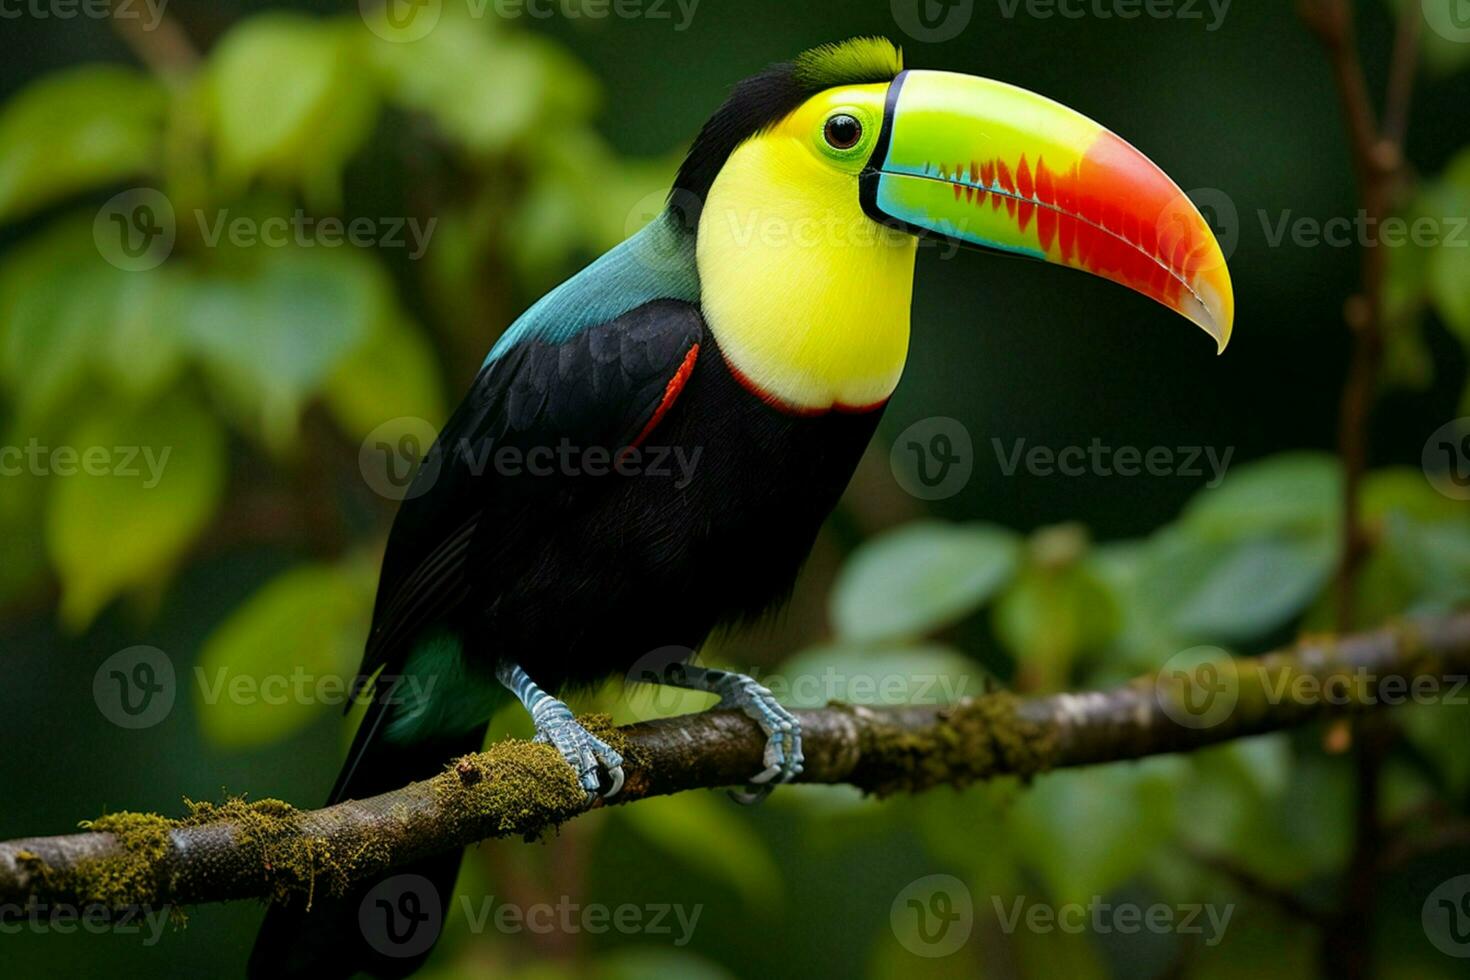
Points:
[[783, 757], [556, 725]]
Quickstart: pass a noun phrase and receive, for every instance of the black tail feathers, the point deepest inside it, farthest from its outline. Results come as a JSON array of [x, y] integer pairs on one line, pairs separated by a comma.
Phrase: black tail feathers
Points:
[[387, 926]]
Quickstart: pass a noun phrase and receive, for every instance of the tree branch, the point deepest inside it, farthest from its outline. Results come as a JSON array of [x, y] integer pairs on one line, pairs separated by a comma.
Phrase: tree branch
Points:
[[240, 850]]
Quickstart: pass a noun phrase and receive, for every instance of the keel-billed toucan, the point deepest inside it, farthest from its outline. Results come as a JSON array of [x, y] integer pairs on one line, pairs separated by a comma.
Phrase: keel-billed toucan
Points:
[[756, 327]]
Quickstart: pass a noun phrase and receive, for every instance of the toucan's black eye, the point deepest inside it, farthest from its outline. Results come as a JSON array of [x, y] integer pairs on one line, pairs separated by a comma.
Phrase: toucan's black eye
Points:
[[843, 132]]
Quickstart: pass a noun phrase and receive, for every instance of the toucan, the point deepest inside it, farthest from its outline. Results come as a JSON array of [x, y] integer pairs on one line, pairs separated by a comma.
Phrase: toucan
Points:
[[756, 327]]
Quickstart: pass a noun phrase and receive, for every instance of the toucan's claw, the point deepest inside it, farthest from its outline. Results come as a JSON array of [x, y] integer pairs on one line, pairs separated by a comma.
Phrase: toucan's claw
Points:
[[783, 756], [556, 726], [586, 754]]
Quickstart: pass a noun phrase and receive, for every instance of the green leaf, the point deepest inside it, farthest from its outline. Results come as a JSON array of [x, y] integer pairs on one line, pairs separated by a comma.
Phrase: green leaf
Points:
[[1440, 729], [484, 89], [124, 523], [285, 657], [1229, 788], [1258, 942], [1449, 286], [926, 675], [643, 961], [77, 129], [1404, 491], [48, 290], [274, 330], [1090, 830], [920, 578], [1444, 38], [1050, 615], [1289, 492], [289, 98], [67, 317], [1432, 558], [21, 528], [392, 376], [702, 831], [1255, 587], [1058, 953]]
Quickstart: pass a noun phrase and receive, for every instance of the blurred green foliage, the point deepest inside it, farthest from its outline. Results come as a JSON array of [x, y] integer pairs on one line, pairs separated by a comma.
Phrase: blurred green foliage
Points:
[[262, 367]]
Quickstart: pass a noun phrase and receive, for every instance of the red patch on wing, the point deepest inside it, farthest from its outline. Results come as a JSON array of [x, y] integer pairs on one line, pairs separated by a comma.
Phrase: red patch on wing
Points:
[[671, 394]]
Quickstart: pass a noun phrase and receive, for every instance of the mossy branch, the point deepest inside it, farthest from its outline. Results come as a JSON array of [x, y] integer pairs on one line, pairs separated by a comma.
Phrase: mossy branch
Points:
[[251, 850]]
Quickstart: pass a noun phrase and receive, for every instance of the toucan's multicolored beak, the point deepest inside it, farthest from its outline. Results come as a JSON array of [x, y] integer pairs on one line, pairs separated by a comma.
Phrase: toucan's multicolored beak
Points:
[[995, 166]]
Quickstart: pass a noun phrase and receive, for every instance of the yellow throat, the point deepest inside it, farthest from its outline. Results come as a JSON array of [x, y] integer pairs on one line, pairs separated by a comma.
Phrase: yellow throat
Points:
[[806, 295]]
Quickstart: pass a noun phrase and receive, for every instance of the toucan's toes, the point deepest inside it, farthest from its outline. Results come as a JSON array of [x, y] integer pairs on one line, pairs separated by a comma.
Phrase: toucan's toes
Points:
[[783, 756], [587, 754]]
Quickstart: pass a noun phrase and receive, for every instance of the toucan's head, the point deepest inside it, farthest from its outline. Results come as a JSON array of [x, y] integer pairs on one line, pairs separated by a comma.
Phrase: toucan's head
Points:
[[864, 152]]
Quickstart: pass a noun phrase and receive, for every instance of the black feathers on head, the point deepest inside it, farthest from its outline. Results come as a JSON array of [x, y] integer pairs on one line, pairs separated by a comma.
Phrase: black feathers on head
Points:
[[765, 99]]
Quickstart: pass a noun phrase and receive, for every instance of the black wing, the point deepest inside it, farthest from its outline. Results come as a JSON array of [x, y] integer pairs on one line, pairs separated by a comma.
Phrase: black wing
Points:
[[601, 387]]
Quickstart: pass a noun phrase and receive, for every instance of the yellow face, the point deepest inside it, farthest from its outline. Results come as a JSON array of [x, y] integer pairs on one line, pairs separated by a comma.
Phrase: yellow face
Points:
[[822, 127], [807, 296]]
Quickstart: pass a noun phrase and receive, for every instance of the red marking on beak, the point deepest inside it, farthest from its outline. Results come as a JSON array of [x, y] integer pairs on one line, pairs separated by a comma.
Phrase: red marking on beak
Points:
[[1078, 213]]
